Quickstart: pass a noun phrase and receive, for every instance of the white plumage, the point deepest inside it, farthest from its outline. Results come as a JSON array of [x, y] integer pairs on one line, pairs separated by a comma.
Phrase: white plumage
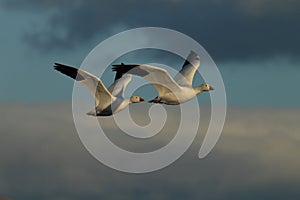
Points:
[[170, 91], [107, 101]]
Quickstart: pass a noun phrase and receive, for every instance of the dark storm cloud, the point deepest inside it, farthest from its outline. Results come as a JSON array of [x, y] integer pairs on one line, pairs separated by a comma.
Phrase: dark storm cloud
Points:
[[229, 30]]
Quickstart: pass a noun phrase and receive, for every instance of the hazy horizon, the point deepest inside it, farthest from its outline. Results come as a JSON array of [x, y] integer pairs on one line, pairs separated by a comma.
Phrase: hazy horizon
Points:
[[43, 158]]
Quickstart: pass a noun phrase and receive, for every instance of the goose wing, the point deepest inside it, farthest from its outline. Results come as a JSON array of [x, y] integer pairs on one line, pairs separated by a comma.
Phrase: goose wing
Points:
[[158, 77], [118, 87], [189, 68], [89, 81]]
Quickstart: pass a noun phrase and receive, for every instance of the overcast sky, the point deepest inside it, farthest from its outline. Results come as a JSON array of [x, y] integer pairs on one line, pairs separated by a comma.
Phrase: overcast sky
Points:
[[255, 45], [43, 158]]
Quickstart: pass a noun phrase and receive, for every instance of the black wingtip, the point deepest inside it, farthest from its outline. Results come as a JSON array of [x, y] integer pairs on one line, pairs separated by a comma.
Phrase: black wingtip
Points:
[[118, 75], [123, 67], [120, 72], [187, 61], [69, 71]]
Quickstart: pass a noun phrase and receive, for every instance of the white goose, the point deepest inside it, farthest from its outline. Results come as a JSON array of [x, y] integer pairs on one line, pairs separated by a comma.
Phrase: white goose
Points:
[[108, 102], [170, 91]]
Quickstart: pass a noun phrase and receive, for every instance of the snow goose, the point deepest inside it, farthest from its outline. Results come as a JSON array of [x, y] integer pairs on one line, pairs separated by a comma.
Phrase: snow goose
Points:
[[107, 101], [170, 91]]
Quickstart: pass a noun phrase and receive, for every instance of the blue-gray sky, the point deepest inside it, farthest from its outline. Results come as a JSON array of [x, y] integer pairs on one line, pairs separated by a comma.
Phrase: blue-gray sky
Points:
[[255, 44]]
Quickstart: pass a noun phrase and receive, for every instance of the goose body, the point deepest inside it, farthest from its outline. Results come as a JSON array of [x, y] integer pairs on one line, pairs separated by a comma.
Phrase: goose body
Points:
[[107, 101], [170, 90]]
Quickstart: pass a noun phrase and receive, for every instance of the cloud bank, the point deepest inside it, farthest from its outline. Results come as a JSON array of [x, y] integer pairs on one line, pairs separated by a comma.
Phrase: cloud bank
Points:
[[43, 158]]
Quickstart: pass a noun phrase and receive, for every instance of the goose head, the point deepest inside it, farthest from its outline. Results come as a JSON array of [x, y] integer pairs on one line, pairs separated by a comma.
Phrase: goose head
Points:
[[206, 87], [203, 88], [136, 99]]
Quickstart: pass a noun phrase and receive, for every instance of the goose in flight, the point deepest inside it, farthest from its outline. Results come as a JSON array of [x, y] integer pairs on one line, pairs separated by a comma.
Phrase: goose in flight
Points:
[[170, 91], [108, 101]]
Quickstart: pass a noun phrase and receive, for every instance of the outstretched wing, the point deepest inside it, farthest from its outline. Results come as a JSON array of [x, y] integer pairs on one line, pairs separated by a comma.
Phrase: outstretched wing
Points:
[[158, 77], [94, 85], [118, 87], [189, 68]]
